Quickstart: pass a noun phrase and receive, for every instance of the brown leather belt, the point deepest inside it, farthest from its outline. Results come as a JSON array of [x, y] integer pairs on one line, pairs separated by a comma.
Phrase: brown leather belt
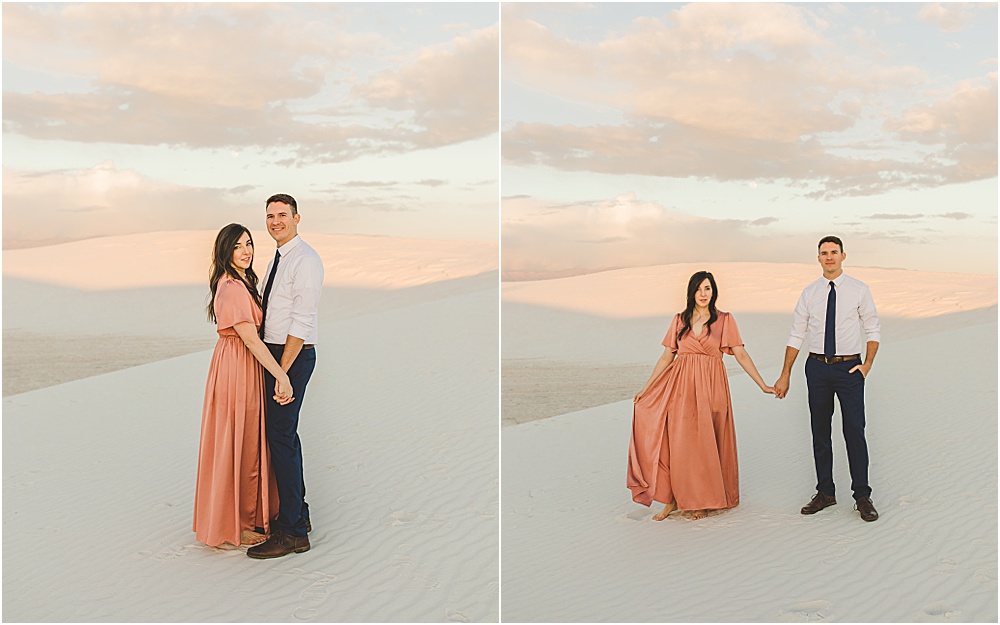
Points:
[[833, 359], [306, 346]]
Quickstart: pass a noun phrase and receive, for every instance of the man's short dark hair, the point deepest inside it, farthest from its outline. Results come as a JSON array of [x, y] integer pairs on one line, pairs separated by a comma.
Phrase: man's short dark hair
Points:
[[831, 239], [285, 198]]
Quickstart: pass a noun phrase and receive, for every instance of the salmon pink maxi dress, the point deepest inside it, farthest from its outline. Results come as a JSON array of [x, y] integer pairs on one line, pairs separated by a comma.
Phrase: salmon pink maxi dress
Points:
[[683, 445], [235, 488]]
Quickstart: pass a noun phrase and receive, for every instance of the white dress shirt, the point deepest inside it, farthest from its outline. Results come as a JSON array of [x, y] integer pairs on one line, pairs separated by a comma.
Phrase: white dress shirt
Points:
[[293, 303], [855, 310]]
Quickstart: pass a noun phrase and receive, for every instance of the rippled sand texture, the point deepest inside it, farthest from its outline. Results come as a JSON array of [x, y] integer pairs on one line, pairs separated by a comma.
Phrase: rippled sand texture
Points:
[[576, 548], [399, 432]]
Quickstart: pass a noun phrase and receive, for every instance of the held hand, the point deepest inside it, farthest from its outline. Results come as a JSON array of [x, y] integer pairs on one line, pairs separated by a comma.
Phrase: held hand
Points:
[[283, 393], [781, 387], [864, 369], [769, 390]]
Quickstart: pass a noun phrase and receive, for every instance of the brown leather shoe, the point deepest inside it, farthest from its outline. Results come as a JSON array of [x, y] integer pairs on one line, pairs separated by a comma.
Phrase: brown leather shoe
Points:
[[309, 526], [867, 509], [279, 544], [818, 502]]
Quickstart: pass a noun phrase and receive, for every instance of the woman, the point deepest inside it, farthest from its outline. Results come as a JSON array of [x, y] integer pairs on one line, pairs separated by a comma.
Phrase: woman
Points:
[[235, 494], [683, 447]]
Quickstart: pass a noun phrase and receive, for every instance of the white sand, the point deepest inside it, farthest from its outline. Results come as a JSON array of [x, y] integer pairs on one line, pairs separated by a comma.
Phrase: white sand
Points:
[[575, 547], [398, 426], [141, 298]]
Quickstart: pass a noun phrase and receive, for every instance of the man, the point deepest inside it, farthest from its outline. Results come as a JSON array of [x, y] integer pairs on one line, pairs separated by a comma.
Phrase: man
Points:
[[292, 289], [833, 309]]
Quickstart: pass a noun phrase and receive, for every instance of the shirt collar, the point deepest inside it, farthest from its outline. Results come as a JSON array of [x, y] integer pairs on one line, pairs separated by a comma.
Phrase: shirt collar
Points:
[[839, 280], [291, 245]]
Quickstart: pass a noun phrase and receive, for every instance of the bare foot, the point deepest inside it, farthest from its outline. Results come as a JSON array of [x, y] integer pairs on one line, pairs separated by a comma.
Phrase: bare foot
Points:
[[695, 515], [667, 509], [248, 537]]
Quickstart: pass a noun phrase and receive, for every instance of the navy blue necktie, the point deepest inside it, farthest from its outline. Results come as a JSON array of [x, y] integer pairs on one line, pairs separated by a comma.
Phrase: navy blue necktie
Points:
[[830, 336], [267, 291]]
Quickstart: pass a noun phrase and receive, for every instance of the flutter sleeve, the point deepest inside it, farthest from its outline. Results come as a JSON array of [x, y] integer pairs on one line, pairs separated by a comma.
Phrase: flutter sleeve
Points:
[[730, 334], [233, 304], [670, 340]]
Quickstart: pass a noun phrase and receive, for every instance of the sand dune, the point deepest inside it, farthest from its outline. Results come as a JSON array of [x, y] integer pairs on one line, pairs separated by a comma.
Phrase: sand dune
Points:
[[400, 450], [576, 548], [559, 335], [141, 298]]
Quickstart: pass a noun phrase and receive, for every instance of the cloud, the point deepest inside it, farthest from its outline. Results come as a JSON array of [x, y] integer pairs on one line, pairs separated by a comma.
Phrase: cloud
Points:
[[369, 183], [764, 221], [896, 216], [962, 125], [291, 77], [949, 17], [917, 216], [41, 208], [103, 201], [243, 188], [686, 152], [623, 231], [451, 89], [747, 92]]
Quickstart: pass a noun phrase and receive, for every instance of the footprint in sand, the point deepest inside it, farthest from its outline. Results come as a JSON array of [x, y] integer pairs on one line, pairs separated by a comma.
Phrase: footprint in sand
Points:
[[945, 565], [807, 612], [985, 576], [401, 558], [940, 612], [169, 553], [452, 615], [426, 580], [635, 515], [837, 551], [314, 595], [405, 518]]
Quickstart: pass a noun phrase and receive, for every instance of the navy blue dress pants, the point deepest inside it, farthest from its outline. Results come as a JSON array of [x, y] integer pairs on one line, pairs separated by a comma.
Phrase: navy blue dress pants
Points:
[[282, 423], [824, 381]]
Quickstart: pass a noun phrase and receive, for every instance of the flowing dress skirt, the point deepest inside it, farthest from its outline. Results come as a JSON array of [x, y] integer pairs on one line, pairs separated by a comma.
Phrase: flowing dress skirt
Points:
[[683, 444], [235, 488]]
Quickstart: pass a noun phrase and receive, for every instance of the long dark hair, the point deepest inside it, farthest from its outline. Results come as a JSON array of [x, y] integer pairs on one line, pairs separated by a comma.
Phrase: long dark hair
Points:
[[693, 285], [222, 264]]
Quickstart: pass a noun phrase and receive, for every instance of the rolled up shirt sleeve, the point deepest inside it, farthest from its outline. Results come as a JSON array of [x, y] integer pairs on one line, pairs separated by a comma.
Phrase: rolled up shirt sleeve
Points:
[[800, 323], [869, 316], [306, 291]]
